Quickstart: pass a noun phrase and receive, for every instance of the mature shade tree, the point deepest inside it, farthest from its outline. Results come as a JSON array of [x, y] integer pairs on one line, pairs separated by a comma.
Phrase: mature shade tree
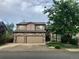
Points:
[[7, 36], [10, 27], [9, 33], [64, 17], [2, 31]]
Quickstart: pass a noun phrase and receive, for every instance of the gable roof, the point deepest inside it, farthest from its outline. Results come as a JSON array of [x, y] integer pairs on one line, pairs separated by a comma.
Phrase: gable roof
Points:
[[37, 23]]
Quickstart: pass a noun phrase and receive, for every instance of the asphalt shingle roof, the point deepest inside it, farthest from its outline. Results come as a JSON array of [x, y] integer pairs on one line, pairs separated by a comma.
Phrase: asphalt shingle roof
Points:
[[23, 23]]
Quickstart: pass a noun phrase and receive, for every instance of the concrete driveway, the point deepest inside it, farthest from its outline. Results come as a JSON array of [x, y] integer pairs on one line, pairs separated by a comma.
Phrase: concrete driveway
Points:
[[24, 47]]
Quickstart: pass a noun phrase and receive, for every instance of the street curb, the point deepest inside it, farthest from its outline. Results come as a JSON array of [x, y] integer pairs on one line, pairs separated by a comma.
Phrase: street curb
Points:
[[73, 50]]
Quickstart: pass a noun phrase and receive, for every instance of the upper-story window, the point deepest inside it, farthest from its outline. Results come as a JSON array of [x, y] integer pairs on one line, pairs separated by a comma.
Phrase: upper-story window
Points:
[[40, 27], [21, 27]]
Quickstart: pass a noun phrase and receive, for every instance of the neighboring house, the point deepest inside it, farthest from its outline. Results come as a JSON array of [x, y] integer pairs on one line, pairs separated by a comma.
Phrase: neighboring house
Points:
[[30, 32], [2, 28]]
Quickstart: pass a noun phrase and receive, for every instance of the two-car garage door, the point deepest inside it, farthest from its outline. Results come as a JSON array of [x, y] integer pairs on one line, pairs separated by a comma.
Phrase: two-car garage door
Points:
[[30, 39]]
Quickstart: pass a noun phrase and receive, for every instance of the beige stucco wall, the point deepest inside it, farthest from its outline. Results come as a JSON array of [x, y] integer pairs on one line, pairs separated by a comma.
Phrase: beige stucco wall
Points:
[[30, 27]]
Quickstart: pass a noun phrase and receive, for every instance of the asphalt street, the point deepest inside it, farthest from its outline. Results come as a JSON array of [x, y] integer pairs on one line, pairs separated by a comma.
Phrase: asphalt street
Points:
[[38, 55]]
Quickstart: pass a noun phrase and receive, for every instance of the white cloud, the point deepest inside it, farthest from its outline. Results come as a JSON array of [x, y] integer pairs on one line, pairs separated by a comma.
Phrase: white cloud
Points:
[[39, 9], [1, 20], [25, 5], [22, 4], [16, 10], [8, 3]]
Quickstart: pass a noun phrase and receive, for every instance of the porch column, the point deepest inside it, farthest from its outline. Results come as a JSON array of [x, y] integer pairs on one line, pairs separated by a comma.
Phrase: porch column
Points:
[[77, 36], [50, 36], [44, 39]]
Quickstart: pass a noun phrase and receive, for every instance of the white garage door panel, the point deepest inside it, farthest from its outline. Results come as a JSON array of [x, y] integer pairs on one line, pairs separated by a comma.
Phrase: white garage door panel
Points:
[[34, 39], [20, 39]]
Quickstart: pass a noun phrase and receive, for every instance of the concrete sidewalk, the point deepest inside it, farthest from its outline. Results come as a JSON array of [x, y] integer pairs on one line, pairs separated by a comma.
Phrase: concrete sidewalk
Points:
[[8, 45], [73, 50]]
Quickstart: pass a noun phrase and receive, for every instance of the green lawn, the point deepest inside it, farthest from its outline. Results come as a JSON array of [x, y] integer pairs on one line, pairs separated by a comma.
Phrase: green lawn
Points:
[[62, 45]]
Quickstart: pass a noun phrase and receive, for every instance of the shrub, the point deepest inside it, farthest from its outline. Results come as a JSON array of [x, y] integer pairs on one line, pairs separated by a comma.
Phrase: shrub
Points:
[[64, 39], [53, 40], [74, 41], [6, 38], [57, 47], [49, 43], [52, 43]]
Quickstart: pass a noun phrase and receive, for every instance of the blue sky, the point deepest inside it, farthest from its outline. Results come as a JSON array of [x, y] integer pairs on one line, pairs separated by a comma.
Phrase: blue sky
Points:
[[15, 11]]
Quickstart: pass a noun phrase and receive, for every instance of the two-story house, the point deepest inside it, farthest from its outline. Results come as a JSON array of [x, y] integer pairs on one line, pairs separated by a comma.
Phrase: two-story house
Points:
[[30, 32]]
